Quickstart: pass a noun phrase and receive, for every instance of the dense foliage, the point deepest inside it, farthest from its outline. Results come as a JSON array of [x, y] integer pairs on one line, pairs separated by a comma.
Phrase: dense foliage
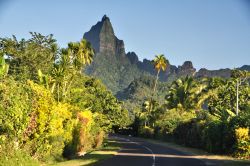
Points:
[[140, 90], [202, 113], [48, 107]]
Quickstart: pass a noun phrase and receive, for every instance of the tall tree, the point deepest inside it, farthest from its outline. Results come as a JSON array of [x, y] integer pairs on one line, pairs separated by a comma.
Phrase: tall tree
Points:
[[27, 56], [64, 71], [81, 53], [185, 94], [160, 63]]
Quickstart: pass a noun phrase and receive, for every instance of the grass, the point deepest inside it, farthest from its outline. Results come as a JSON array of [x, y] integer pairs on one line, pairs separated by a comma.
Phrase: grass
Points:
[[208, 158], [93, 157], [11, 156]]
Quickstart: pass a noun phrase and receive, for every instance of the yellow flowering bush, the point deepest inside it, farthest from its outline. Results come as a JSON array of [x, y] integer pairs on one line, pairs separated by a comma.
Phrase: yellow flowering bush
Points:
[[53, 124], [243, 143]]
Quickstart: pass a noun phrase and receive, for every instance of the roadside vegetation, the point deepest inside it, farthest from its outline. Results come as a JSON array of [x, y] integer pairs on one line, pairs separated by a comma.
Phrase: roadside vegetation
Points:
[[49, 109], [109, 149], [207, 113]]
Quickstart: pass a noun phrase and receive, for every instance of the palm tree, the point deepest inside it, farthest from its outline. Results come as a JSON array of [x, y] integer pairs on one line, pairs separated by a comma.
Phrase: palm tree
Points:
[[185, 94], [58, 73], [160, 63], [191, 94], [55, 81], [81, 53]]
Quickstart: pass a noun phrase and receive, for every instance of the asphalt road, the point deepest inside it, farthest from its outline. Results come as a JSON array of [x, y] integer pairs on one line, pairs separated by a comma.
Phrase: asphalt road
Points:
[[136, 152]]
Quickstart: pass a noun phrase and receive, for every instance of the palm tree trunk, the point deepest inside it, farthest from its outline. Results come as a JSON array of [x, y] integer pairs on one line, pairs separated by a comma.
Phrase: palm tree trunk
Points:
[[67, 88], [154, 90], [156, 80]]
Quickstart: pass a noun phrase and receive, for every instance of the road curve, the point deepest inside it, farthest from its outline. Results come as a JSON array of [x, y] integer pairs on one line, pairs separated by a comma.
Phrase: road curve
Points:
[[137, 152]]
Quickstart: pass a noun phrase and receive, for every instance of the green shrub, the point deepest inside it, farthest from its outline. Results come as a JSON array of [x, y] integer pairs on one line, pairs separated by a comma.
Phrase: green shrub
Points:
[[212, 136], [205, 131], [83, 136], [189, 133], [168, 122], [146, 132], [242, 120], [15, 108], [216, 136]]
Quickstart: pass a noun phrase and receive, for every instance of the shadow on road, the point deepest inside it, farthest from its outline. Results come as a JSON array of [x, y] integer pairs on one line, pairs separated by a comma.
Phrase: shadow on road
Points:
[[136, 152]]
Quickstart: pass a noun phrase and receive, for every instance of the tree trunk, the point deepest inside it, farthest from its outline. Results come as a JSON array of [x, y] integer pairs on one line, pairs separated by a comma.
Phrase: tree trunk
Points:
[[157, 77], [154, 90]]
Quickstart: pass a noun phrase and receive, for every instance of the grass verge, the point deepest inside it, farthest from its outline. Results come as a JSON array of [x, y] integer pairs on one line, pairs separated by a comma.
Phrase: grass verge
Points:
[[11, 156], [93, 157]]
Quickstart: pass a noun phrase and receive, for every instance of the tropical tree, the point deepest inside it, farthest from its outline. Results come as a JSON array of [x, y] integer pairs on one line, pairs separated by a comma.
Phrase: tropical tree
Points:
[[91, 93], [185, 94], [148, 108], [224, 103], [25, 57], [81, 53], [57, 81], [160, 63], [64, 71]]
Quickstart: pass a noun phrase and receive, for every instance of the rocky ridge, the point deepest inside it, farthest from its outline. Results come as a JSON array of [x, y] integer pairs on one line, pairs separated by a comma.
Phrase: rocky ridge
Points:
[[117, 69]]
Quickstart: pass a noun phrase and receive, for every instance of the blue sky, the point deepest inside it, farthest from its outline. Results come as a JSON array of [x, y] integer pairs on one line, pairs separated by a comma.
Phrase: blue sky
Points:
[[211, 33]]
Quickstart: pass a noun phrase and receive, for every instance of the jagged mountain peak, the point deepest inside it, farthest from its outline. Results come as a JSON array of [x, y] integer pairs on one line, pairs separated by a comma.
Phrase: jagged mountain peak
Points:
[[132, 57], [186, 69], [103, 39], [105, 17]]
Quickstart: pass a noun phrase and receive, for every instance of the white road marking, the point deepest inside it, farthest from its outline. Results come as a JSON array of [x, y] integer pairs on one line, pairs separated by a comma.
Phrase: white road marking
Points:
[[153, 155], [201, 158]]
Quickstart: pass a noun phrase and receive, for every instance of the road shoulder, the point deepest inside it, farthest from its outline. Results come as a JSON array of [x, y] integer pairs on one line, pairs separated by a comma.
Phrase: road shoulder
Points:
[[97, 156], [208, 158]]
